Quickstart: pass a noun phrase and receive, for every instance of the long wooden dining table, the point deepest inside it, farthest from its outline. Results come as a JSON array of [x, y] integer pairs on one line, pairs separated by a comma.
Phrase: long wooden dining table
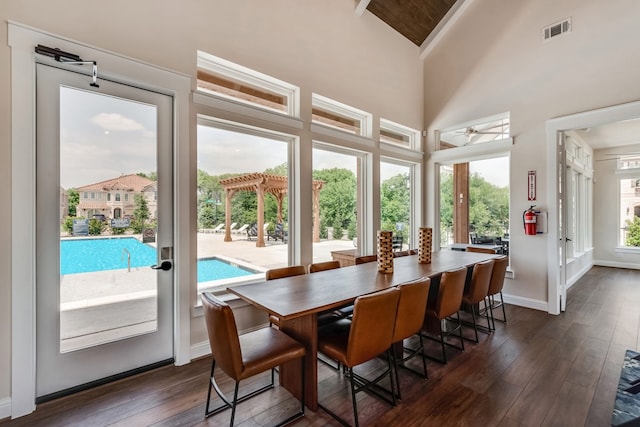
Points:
[[297, 300]]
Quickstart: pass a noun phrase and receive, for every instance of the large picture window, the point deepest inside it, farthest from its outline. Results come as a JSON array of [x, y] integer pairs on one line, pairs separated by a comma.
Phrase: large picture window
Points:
[[242, 205]]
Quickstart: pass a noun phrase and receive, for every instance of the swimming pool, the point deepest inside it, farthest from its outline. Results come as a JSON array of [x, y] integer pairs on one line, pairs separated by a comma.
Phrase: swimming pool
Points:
[[88, 255], [101, 254]]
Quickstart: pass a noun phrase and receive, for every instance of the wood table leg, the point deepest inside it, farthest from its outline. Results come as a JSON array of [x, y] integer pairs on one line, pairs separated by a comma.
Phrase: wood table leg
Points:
[[305, 330]]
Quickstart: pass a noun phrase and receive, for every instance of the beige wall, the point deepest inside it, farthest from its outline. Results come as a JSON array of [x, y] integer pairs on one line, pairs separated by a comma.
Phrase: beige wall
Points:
[[494, 61], [319, 45]]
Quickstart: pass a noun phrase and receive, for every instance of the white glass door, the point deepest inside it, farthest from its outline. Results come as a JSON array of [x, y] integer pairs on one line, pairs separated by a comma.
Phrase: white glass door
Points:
[[104, 243], [562, 220]]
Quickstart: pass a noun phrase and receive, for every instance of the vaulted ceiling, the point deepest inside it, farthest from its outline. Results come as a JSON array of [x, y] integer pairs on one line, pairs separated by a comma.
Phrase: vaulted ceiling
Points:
[[414, 19]]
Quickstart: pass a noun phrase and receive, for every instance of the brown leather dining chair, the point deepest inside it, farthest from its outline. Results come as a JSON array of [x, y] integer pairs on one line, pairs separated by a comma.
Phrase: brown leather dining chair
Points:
[[368, 335], [442, 308], [481, 250], [500, 265], [242, 357], [412, 306], [279, 273], [365, 259], [476, 291], [323, 266]]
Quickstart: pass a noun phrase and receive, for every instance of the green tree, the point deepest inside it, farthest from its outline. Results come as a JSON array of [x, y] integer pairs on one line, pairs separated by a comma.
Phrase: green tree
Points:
[[395, 203], [140, 213], [206, 216], [73, 198], [633, 232], [338, 201], [95, 227], [446, 204], [153, 176], [488, 206]]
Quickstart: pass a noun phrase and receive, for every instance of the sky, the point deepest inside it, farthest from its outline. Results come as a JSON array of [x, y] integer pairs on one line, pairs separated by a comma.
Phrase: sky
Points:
[[103, 137], [221, 151]]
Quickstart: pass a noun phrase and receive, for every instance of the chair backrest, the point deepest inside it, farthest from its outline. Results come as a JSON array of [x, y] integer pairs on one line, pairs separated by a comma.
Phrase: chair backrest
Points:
[[278, 273], [366, 258], [479, 285], [481, 250], [401, 253], [322, 266], [497, 275], [412, 305], [396, 243], [372, 325], [450, 292], [223, 335]]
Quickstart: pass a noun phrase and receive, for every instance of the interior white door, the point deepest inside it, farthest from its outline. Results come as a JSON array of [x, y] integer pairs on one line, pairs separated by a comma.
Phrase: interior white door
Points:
[[102, 311], [562, 220]]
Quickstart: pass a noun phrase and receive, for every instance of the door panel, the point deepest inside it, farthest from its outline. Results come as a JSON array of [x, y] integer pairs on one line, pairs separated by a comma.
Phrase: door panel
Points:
[[101, 309]]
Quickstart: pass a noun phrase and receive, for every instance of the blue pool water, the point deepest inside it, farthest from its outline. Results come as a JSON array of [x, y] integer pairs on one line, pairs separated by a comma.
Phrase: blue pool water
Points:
[[88, 255], [214, 269]]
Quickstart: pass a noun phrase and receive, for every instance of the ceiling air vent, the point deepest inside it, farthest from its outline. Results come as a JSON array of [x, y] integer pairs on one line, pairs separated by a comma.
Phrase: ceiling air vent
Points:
[[556, 29]]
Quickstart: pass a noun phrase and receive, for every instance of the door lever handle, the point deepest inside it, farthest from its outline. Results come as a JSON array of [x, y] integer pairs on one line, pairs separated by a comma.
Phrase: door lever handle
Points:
[[164, 266]]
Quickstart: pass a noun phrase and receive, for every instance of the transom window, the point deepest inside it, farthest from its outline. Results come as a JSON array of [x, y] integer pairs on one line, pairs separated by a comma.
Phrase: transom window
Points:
[[481, 131], [334, 114], [219, 77], [394, 133]]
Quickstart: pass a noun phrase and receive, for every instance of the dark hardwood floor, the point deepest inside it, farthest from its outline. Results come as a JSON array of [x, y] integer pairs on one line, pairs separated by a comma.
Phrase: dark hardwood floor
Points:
[[535, 370]]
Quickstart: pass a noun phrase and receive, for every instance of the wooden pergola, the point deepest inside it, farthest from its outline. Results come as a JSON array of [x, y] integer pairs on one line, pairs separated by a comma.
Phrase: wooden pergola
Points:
[[261, 184]]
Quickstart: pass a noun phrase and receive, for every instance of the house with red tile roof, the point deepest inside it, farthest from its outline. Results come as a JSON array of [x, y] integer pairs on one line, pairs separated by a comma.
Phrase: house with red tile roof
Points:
[[114, 198]]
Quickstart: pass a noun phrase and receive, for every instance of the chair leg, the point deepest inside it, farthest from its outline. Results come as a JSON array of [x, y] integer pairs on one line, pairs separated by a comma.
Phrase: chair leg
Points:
[[475, 327], [487, 315], [460, 331], [444, 352], [353, 398], [424, 359], [493, 320], [504, 313], [235, 403]]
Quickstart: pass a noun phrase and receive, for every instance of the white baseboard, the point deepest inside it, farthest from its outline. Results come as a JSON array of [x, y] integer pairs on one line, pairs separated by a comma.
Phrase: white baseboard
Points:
[[572, 281], [200, 350], [5, 408], [615, 264], [526, 302]]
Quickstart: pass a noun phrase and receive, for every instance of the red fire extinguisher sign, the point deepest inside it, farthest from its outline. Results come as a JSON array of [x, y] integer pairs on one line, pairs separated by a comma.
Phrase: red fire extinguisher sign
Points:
[[531, 185]]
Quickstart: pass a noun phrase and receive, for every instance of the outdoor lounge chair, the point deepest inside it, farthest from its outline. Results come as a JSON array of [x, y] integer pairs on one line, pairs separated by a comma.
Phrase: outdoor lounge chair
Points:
[[241, 229], [253, 231], [278, 233], [219, 228], [215, 230]]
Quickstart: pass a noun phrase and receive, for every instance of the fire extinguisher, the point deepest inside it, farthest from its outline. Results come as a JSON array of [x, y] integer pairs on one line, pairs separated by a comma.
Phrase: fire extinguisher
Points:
[[529, 219]]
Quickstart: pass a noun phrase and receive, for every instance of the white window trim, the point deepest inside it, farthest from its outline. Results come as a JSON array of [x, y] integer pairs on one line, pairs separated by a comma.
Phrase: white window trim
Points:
[[239, 73], [326, 104], [472, 152]]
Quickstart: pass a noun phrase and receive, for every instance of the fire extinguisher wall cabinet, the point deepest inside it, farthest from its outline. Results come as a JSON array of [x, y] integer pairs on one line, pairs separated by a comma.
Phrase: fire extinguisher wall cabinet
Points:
[[534, 221]]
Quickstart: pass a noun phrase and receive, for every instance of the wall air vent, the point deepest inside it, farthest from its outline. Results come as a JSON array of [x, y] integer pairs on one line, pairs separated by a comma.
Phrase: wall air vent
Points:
[[556, 29]]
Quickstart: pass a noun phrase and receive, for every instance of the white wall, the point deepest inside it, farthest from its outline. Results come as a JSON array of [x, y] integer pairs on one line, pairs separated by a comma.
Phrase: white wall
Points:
[[494, 61], [320, 46]]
